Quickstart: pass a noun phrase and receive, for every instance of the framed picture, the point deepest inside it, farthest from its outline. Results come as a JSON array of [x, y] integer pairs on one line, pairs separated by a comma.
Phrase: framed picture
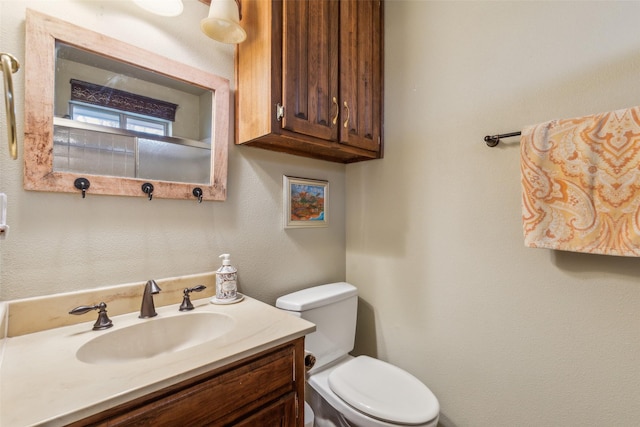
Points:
[[305, 202]]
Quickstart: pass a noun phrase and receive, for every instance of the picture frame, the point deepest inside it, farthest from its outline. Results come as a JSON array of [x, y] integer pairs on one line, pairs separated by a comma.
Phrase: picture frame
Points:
[[306, 202]]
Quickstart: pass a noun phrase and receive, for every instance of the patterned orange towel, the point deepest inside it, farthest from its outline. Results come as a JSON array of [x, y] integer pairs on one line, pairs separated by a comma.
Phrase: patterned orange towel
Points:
[[581, 184]]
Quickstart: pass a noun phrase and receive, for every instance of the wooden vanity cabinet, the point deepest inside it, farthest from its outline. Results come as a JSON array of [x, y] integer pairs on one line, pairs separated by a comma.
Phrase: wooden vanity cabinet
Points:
[[309, 78], [262, 390]]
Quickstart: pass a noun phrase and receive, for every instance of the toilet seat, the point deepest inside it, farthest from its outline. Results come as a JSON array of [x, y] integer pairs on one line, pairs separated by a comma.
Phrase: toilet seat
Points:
[[384, 391]]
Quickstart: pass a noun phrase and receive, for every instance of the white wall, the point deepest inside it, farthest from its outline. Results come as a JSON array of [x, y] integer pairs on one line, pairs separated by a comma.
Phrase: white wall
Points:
[[60, 242], [504, 335]]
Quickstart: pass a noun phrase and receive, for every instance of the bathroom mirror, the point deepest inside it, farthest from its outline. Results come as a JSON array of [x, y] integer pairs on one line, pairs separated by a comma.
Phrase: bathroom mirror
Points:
[[119, 116]]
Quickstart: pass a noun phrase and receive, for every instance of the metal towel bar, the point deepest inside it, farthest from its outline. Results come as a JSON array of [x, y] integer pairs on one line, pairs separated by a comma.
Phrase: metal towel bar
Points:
[[10, 65], [493, 140]]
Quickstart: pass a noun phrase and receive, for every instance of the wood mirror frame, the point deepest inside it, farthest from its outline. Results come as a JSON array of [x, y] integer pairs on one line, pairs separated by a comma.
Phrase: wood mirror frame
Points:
[[42, 33]]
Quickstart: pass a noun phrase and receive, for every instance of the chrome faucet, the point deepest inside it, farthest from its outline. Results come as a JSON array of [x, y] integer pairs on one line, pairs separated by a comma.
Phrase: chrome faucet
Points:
[[148, 309]]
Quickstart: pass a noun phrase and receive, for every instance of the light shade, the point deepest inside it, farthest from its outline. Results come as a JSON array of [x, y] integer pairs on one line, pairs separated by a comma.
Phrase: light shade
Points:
[[223, 22], [161, 7]]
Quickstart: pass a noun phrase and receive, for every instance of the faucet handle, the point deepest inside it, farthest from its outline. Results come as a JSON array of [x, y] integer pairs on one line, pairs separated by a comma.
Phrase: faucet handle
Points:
[[186, 301], [103, 321]]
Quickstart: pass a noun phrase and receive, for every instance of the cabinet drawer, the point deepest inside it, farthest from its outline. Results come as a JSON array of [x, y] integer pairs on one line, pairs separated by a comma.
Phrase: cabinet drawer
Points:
[[221, 399]]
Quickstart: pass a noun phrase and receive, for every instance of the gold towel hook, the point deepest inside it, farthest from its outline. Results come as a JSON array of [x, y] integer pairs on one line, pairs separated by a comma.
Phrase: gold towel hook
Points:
[[10, 65]]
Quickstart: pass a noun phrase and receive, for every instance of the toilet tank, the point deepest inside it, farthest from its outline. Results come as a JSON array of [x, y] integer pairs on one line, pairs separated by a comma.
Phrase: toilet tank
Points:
[[333, 308]]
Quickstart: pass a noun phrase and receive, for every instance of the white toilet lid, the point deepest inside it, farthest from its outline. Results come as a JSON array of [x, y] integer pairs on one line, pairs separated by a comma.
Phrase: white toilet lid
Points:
[[384, 391]]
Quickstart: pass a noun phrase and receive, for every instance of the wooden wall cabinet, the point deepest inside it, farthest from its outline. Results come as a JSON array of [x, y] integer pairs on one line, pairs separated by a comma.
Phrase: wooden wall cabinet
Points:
[[262, 390], [309, 78]]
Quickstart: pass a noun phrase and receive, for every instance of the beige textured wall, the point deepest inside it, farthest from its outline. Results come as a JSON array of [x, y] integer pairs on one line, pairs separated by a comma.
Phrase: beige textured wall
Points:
[[60, 242], [504, 335]]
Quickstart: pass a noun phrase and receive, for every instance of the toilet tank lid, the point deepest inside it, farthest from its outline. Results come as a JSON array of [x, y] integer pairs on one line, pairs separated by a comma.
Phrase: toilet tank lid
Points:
[[316, 296]]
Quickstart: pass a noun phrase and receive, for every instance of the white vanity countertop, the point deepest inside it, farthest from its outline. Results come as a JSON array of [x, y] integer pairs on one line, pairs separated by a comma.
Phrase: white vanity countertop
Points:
[[43, 383]]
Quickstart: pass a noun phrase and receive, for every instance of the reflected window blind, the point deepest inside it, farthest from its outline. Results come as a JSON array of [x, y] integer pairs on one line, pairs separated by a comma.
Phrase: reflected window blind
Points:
[[122, 100]]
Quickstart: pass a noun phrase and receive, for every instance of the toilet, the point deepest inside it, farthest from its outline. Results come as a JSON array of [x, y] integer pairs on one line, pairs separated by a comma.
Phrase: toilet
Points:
[[308, 416], [344, 390]]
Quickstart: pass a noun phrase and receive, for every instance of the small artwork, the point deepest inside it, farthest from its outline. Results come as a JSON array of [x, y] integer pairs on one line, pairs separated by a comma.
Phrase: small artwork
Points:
[[305, 202]]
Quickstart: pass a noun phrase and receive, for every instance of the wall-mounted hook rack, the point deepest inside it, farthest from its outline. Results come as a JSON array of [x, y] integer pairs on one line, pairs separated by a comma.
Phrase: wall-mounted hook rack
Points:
[[197, 193], [147, 188], [83, 185]]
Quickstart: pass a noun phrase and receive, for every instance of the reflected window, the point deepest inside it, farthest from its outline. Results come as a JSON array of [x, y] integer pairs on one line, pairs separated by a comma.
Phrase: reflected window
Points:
[[154, 127], [118, 119]]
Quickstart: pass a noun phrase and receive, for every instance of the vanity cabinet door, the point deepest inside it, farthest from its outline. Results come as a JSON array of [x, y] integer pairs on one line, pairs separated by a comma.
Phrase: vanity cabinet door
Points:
[[309, 78], [279, 414]]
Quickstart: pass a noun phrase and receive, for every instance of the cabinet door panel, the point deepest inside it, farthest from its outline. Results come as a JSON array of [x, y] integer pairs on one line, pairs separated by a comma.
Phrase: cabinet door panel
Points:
[[279, 414], [310, 67], [361, 73]]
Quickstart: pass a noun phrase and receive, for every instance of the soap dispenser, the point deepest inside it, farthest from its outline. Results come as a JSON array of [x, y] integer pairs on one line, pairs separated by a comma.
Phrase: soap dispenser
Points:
[[226, 280]]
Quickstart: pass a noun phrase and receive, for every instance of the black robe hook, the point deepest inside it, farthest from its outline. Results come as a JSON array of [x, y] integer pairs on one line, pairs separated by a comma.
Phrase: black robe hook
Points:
[[83, 185], [197, 192], [147, 188]]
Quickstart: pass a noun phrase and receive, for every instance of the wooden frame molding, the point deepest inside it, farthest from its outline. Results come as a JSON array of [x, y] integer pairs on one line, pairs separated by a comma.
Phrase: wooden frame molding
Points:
[[42, 32]]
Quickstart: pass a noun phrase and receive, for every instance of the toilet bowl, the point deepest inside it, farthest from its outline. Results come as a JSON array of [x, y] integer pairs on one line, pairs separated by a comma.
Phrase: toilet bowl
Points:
[[308, 415], [343, 390], [366, 392]]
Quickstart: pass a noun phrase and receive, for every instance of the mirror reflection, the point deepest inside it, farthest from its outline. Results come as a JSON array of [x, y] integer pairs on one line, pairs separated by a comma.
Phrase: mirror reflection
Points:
[[119, 116], [115, 119]]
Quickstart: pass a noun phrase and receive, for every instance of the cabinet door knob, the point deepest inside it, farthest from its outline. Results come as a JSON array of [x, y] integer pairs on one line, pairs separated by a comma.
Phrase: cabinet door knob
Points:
[[346, 122], [335, 118]]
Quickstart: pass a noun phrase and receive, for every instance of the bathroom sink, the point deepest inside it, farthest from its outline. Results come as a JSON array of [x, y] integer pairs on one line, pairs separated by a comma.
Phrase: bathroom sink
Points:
[[153, 337]]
